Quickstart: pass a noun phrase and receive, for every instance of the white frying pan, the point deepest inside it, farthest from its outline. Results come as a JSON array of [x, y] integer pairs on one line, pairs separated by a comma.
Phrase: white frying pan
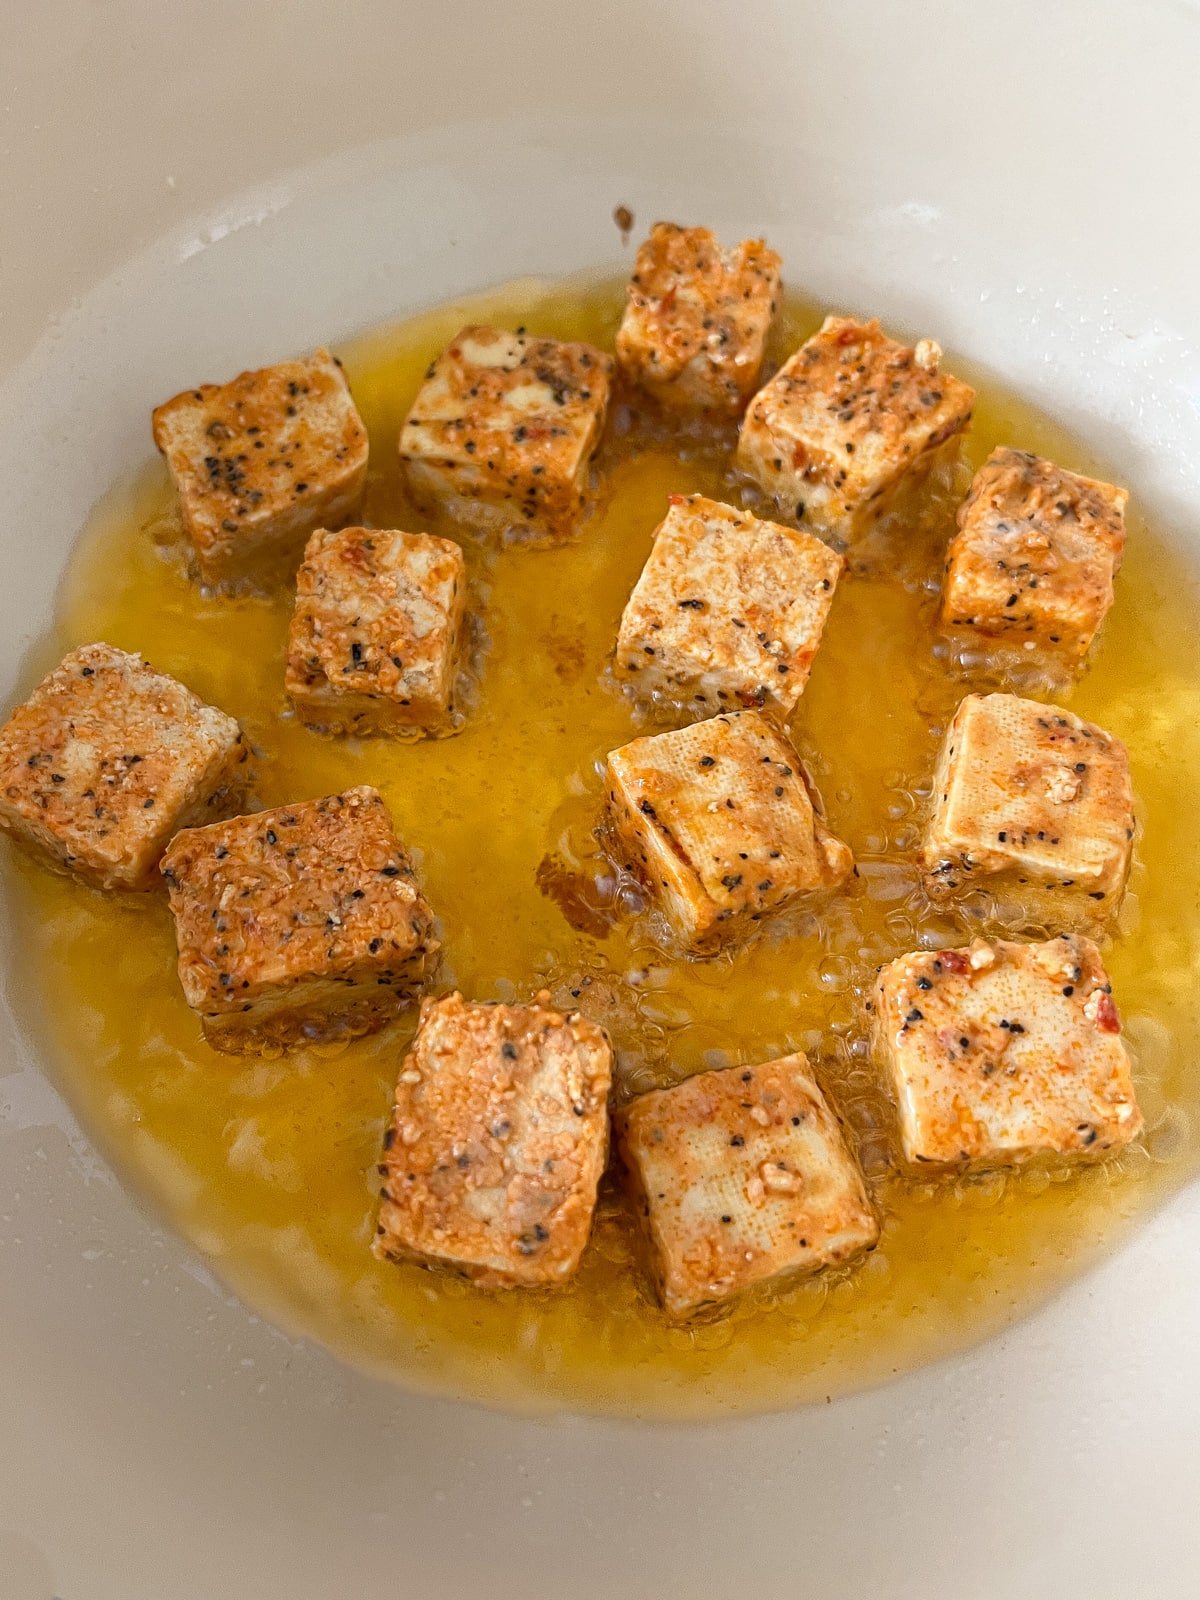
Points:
[[193, 185]]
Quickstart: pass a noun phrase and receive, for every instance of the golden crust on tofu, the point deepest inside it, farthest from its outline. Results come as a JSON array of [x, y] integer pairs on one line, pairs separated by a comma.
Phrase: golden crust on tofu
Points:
[[373, 642], [720, 822], [696, 318], [744, 1178], [497, 1141], [298, 924], [1036, 552], [728, 610], [845, 420], [262, 461], [502, 431], [1004, 1051], [1033, 791], [107, 759]]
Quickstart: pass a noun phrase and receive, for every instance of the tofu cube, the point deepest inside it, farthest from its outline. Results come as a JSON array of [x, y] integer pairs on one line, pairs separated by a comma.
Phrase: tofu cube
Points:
[[374, 640], [262, 461], [696, 319], [107, 760], [846, 421], [298, 925], [728, 610], [719, 821], [744, 1179], [497, 1142], [1031, 791], [1004, 1051], [1035, 554], [502, 431]]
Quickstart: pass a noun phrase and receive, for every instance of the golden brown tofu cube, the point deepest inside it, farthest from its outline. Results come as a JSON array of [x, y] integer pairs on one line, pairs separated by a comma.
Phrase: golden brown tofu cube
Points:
[[262, 461], [497, 1142], [107, 760], [696, 319], [719, 821], [374, 640], [298, 925], [1004, 1051], [846, 421], [1033, 792], [728, 610], [502, 431], [744, 1179], [1035, 554]]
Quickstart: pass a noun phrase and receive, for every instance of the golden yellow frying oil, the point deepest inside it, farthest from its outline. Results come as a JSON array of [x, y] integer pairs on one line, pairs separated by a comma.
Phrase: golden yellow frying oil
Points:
[[269, 1165]]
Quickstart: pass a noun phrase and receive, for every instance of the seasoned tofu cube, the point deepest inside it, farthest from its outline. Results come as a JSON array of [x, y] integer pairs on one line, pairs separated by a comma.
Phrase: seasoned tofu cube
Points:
[[728, 610], [1035, 554], [107, 760], [848, 419], [298, 925], [262, 461], [374, 640], [497, 1142], [502, 431], [720, 822], [744, 1179], [1004, 1051], [1031, 791], [696, 319]]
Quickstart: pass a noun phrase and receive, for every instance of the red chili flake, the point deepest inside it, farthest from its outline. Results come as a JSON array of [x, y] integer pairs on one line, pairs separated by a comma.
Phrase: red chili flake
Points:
[[677, 499], [953, 961], [1107, 1020]]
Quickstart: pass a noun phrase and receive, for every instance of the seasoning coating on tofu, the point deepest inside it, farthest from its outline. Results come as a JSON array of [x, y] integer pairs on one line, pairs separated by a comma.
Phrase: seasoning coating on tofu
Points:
[[374, 638], [1003, 1051], [744, 1178], [719, 821], [108, 759], [502, 431], [696, 318], [728, 610], [848, 417], [497, 1141], [1035, 791], [262, 461], [1036, 552], [298, 924]]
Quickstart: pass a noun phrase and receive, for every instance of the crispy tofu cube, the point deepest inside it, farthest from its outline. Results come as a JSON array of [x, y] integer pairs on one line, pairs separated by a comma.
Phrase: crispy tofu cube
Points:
[[744, 1179], [846, 421], [728, 610], [502, 431], [262, 461], [696, 319], [1004, 1051], [374, 639], [107, 760], [497, 1142], [1035, 554], [720, 822], [1034, 792], [298, 925]]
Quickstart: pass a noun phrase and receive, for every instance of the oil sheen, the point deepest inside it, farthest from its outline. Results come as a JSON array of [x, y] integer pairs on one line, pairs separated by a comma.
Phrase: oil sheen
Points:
[[268, 1165]]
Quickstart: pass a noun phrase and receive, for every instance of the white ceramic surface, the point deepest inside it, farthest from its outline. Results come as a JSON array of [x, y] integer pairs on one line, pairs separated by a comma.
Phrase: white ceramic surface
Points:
[[191, 187]]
